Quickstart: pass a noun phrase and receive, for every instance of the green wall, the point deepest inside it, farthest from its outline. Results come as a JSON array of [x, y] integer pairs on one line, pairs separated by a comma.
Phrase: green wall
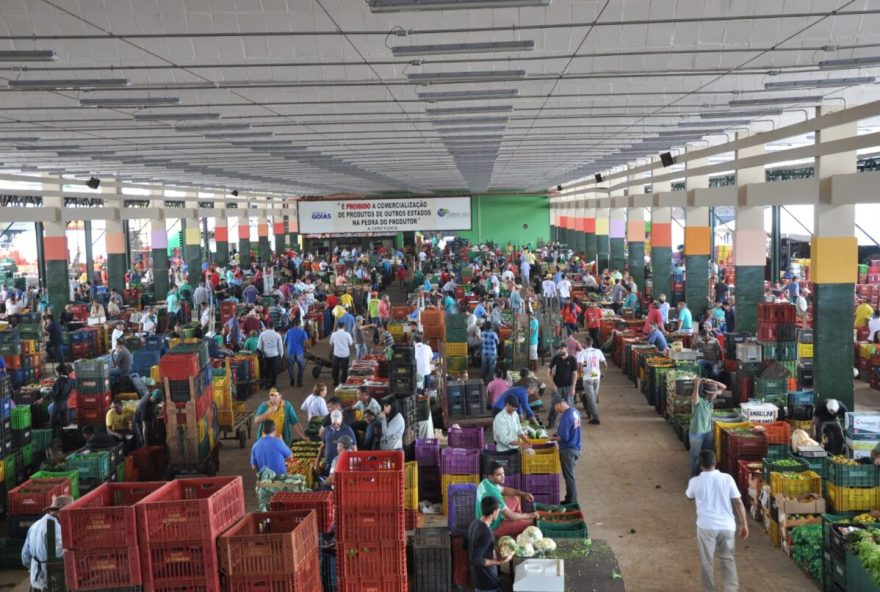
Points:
[[500, 218]]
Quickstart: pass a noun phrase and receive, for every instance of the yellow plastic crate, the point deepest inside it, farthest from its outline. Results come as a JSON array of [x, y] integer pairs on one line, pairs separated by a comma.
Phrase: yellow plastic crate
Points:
[[154, 374], [225, 419], [457, 349], [775, 538], [222, 393], [848, 499], [800, 424], [720, 425], [412, 486], [447, 480], [805, 350], [545, 461], [795, 487]]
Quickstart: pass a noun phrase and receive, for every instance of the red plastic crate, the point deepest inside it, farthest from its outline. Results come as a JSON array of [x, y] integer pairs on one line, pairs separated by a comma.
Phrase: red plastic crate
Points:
[[320, 501], [190, 510], [100, 569], [90, 417], [461, 565], [211, 585], [290, 542], [370, 479], [306, 578], [150, 462], [378, 558], [179, 366], [778, 432], [104, 517], [767, 332], [33, 496], [365, 524], [382, 584], [412, 519], [94, 399], [179, 563]]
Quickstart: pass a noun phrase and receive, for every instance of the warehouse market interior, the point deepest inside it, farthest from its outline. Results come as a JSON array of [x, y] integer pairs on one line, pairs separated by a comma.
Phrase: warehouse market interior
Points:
[[435, 295]]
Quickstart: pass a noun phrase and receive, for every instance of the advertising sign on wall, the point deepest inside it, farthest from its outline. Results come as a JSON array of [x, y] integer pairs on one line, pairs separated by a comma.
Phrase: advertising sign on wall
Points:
[[384, 216]]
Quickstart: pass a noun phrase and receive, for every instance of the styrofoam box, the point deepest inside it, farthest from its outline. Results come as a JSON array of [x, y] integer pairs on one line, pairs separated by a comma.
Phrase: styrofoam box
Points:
[[860, 448], [540, 575], [862, 422], [759, 412]]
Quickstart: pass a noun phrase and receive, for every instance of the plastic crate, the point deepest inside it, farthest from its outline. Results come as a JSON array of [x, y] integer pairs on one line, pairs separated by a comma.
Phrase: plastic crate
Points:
[[428, 452], [98, 368], [102, 568], [91, 465], [290, 543], [468, 438], [411, 491], [778, 432], [104, 517], [860, 475], [795, 487], [71, 476], [41, 439], [307, 577], [374, 584], [190, 509], [511, 460], [201, 348], [370, 559], [564, 530], [367, 524], [462, 501], [459, 461], [17, 526], [847, 499], [320, 501], [432, 560], [446, 481], [370, 479], [771, 465], [545, 489], [21, 417], [456, 349], [180, 366], [179, 564], [545, 461], [32, 496]]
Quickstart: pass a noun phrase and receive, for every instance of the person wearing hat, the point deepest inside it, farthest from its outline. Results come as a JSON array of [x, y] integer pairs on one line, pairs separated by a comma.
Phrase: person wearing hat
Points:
[[35, 552], [331, 436], [568, 436], [282, 413], [270, 451], [548, 289], [700, 431], [826, 428]]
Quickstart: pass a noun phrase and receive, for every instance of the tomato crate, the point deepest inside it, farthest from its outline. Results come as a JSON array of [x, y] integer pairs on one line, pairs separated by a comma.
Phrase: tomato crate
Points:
[[269, 543], [859, 475], [320, 501], [91, 465], [470, 438], [102, 568], [179, 563], [307, 577], [190, 509], [180, 366], [104, 517], [198, 585], [545, 461], [368, 524], [374, 584], [428, 452], [778, 432], [32, 496], [795, 487], [370, 479], [373, 558], [459, 461], [462, 501], [847, 499]]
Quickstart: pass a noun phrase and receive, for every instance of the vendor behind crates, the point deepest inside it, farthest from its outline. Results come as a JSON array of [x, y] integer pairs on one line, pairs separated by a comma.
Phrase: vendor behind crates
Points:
[[510, 521], [826, 428]]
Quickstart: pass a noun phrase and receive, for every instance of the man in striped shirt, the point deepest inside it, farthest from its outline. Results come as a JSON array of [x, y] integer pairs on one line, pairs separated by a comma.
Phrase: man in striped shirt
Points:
[[489, 339], [710, 354]]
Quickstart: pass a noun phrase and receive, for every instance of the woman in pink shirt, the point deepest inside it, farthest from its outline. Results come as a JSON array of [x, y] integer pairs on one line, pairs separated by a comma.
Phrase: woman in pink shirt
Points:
[[497, 387], [384, 310]]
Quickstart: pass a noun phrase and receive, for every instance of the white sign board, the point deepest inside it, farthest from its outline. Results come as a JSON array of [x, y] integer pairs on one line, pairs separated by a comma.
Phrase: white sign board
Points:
[[384, 216]]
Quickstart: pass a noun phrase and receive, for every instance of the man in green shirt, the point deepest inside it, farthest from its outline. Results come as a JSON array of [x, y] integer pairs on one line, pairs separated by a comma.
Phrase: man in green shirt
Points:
[[510, 520], [701, 431]]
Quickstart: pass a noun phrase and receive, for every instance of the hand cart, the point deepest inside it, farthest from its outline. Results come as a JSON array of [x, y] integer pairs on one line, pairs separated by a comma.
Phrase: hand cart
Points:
[[209, 466], [241, 428], [319, 363]]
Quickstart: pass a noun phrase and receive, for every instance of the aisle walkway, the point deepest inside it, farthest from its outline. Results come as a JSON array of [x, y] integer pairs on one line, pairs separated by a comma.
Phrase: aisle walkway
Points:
[[634, 472]]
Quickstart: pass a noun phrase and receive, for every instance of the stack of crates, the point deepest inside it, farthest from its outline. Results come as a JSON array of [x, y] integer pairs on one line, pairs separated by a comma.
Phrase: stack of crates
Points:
[[25, 503], [21, 424], [800, 405], [10, 350], [223, 387], [541, 473], [93, 397], [143, 360], [403, 369], [738, 444], [190, 417], [271, 551], [322, 503], [458, 466], [434, 324], [456, 343], [100, 536], [370, 521], [749, 355], [178, 528], [805, 359], [852, 486], [409, 407], [427, 454], [861, 430], [411, 495], [466, 398], [432, 560], [245, 372], [95, 466]]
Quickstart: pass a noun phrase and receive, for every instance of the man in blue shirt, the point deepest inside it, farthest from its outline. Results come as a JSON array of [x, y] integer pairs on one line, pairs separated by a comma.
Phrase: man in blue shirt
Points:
[[480, 311], [657, 339], [569, 438], [296, 352], [522, 396], [685, 318], [348, 321], [270, 451], [490, 341]]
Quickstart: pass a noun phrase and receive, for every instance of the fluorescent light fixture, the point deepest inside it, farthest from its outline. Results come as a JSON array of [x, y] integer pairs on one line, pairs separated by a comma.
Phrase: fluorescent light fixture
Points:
[[261, 142], [470, 121], [210, 127], [235, 136], [789, 84], [461, 110], [453, 48], [69, 84], [849, 62], [776, 101], [174, 116], [88, 154], [28, 55], [690, 132], [720, 123], [16, 140], [129, 101], [468, 95], [405, 5], [51, 148], [487, 128], [756, 113], [476, 76]]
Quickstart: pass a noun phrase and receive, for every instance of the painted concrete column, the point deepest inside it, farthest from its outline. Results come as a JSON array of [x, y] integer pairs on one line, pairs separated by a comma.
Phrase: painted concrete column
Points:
[[279, 229], [114, 240], [834, 271], [55, 249], [159, 244], [603, 243], [661, 241], [590, 253], [221, 239], [635, 238], [617, 238], [696, 243], [192, 238], [565, 237], [244, 240], [749, 245], [580, 226], [293, 226], [265, 252]]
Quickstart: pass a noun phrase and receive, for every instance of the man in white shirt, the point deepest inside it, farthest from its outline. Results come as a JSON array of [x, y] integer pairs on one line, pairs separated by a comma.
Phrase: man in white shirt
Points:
[[563, 288], [874, 325], [340, 344], [424, 356], [717, 496], [116, 335], [591, 362], [548, 289], [272, 347]]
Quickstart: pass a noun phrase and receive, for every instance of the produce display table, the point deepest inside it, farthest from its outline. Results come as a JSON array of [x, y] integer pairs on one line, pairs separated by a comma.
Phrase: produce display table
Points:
[[588, 567]]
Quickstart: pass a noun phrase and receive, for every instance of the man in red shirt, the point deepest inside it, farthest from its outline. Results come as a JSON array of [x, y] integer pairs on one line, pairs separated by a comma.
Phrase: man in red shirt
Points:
[[653, 316], [593, 320], [570, 316]]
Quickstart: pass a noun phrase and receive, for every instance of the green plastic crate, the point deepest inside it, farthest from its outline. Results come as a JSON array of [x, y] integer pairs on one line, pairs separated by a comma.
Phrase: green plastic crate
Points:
[[770, 465], [9, 469], [456, 364], [564, 530], [120, 472], [91, 465], [21, 417], [41, 439], [27, 454], [73, 476]]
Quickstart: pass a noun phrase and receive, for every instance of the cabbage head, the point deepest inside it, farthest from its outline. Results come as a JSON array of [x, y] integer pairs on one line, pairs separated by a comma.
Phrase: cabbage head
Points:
[[545, 545], [529, 536]]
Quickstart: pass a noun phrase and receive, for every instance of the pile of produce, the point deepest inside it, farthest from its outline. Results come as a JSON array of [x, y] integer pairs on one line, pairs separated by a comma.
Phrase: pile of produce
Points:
[[534, 431], [866, 542], [269, 483], [794, 476], [529, 543], [843, 460], [865, 519], [786, 462], [807, 548]]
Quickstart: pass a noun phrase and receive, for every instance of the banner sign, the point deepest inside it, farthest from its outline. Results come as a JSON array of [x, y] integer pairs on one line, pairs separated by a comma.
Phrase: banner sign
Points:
[[383, 216]]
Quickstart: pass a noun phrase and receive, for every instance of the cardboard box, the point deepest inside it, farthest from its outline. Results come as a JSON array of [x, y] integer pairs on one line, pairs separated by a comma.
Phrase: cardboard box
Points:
[[863, 422], [759, 412], [859, 447], [811, 503]]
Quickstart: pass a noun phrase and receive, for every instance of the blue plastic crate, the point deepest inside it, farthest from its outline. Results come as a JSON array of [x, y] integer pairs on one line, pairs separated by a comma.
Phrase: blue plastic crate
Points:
[[800, 398], [462, 504]]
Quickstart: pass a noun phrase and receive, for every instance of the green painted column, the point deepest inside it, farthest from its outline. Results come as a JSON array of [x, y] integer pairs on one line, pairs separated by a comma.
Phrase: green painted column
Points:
[[697, 240], [749, 246], [635, 237], [617, 238], [580, 222], [117, 266], [279, 229], [192, 251], [661, 251], [293, 240], [55, 250], [264, 250], [244, 241], [398, 241]]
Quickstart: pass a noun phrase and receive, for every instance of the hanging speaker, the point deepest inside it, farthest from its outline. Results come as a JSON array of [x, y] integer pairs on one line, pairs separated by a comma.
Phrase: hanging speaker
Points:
[[666, 159], [93, 183], [598, 177], [559, 188]]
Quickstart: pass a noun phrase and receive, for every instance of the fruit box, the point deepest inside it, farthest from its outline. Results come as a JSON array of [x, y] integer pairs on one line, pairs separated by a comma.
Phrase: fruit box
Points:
[[810, 503]]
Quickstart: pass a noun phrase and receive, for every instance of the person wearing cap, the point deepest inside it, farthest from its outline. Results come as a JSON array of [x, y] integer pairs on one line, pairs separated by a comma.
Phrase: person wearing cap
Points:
[[700, 431], [35, 552], [282, 413], [826, 428], [332, 433], [548, 290], [373, 307], [568, 436], [270, 451]]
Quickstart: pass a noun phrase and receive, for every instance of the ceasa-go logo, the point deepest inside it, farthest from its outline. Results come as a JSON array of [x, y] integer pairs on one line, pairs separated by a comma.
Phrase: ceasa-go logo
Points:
[[445, 213], [321, 216], [442, 212]]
